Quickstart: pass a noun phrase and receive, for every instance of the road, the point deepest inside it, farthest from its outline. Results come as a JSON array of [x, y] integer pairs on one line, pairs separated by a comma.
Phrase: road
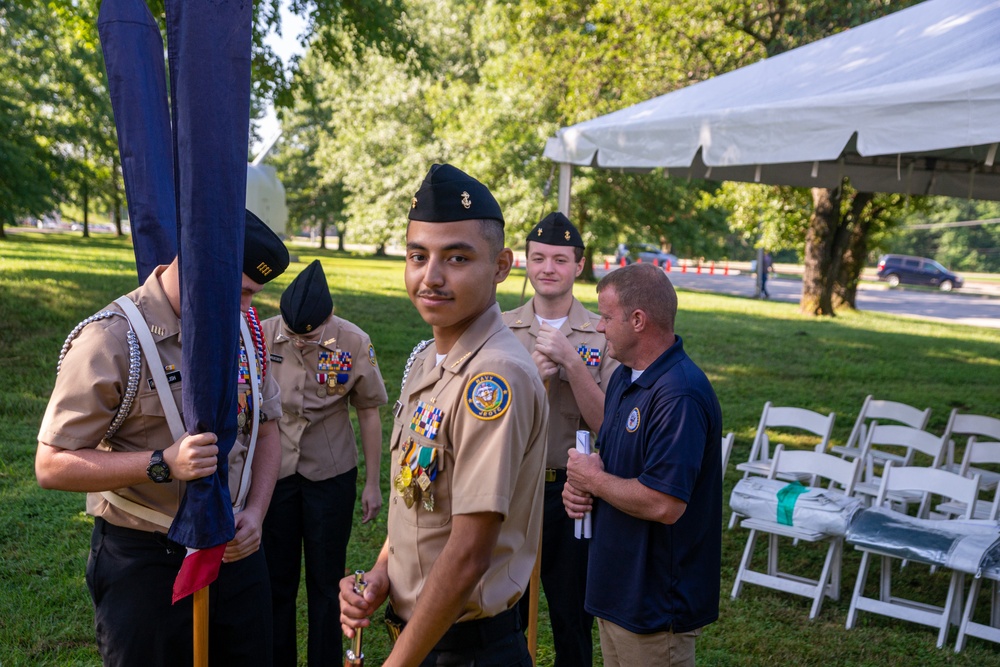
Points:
[[980, 309]]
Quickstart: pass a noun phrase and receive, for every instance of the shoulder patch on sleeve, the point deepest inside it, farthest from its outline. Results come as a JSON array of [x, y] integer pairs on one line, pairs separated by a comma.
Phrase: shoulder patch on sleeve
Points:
[[371, 354], [487, 396]]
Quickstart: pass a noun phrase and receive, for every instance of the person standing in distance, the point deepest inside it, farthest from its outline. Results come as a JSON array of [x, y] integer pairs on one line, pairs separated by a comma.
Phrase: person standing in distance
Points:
[[655, 487], [467, 448], [323, 364], [562, 337], [104, 432]]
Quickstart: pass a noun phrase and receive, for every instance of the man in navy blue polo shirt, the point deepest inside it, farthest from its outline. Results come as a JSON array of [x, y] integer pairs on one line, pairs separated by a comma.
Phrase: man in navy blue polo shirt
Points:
[[654, 487]]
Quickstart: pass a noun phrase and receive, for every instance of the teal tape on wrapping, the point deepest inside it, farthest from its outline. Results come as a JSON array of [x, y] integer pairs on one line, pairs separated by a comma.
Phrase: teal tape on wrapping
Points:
[[786, 501]]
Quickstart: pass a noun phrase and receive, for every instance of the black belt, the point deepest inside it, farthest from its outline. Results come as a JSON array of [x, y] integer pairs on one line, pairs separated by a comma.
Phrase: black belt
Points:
[[555, 475], [107, 528], [469, 635]]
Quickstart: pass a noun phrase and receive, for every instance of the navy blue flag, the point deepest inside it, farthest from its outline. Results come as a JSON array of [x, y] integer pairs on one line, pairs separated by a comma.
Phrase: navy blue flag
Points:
[[133, 56], [209, 59]]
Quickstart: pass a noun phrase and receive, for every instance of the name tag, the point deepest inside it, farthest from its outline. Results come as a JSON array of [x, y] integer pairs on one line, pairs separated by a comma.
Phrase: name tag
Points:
[[277, 358], [172, 377]]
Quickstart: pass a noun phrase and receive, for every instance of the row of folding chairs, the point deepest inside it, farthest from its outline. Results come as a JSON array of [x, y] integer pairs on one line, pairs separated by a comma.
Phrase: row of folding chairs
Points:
[[877, 465]]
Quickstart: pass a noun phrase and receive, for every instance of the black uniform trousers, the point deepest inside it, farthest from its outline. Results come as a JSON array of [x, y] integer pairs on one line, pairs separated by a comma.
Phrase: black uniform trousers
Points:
[[564, 580], [130, 574], [497, 641], [314, 517]]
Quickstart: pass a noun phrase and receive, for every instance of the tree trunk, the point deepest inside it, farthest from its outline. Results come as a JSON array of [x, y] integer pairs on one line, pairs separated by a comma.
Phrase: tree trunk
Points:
[[340, 236], [86, 209], [380, 250], [322, 234], [817, 279], [845, 288], [116, 197], [587, 275]]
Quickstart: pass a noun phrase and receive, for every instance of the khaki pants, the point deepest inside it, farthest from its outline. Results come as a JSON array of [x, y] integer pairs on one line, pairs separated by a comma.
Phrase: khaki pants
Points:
[[622, 648]]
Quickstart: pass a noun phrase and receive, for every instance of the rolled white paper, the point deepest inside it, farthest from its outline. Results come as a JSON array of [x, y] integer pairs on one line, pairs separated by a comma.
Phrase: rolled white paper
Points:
[[581, 528]]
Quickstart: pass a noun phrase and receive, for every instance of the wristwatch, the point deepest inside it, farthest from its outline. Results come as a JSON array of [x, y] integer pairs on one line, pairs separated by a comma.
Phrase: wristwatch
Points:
[[158, 470]]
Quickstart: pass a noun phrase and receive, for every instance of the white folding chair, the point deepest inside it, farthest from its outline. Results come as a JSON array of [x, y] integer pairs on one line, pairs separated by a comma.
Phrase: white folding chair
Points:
[[922, 481], [813, 465], [983, 453], [981, 430], [881, 410], [796, 423], [908, 440], [968, 627], [727, 449]]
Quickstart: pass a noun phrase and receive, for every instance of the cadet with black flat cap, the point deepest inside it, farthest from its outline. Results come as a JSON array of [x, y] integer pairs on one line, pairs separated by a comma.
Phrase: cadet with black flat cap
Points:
[[467, 448], [106, 432], [323, 364], [571, 356]]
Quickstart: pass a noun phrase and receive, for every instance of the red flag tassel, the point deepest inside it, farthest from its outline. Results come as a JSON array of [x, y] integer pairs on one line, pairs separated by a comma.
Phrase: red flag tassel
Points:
[[199, 569]]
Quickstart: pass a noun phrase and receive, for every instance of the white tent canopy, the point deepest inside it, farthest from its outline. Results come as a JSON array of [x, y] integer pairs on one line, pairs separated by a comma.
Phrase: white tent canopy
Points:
[[907, 103]]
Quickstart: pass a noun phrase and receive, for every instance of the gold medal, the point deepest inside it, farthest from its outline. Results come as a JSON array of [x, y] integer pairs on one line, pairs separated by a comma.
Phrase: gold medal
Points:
[[423, 481], [406, 475], [408, 497], [321, 392], [397, 483], [341, 389]]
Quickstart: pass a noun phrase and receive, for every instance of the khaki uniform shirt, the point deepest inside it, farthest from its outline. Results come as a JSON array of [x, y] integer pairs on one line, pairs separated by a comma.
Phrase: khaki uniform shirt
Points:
[[317, 439], [489, 442], [92, 384], [580, 328]]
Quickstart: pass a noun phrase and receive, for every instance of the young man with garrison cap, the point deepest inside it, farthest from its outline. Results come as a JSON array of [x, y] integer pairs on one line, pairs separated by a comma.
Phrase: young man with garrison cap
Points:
[[323, 364], [571, 356], [104, 432], [467, 448]]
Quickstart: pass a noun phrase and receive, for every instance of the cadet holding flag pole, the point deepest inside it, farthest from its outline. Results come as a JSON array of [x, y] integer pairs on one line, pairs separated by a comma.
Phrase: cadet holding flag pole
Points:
[[108, 431], [467, 448]]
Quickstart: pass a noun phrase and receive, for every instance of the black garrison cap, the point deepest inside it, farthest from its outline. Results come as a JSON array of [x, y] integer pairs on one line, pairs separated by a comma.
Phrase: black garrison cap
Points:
[[556, 229], [265, 257], [306, 302], [449, 194]]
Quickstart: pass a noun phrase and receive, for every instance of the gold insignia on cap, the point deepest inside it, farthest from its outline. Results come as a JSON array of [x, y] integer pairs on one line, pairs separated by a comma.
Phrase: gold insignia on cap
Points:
[[264, 269], [309, 327], [539, 231], [567, 235], [413, 203], [466, 202]]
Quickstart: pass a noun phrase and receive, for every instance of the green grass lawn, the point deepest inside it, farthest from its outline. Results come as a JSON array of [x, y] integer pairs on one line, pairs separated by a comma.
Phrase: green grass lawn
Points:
[[753, 351]]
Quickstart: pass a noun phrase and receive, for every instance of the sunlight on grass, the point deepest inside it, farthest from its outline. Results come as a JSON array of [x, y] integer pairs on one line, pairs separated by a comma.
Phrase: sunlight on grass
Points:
[[753, 351]]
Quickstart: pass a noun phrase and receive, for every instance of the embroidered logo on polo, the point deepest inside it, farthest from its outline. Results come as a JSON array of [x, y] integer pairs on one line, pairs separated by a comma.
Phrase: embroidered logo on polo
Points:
[[633, 421], [426, 420], [371, 353], [487, 396], [590, 355]]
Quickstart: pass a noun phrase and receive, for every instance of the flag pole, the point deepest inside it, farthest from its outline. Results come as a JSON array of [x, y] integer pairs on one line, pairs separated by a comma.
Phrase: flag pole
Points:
[[201, 627]]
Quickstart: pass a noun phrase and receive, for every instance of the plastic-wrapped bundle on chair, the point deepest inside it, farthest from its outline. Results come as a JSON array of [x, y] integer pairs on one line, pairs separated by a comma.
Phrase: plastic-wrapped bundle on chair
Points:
[[818, 510], [966, 545]]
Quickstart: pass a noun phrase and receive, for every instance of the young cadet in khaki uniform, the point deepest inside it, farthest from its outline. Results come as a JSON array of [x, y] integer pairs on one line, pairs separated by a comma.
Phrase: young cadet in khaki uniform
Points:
[[104, 432], [571, 356], [467, 448], [323, 364]]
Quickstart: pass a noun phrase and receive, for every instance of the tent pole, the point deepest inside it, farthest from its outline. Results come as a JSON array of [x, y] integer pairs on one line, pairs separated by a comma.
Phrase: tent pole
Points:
[[565, 179]]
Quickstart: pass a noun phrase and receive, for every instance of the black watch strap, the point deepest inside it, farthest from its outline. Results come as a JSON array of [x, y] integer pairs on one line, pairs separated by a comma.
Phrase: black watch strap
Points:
[[158, 470]]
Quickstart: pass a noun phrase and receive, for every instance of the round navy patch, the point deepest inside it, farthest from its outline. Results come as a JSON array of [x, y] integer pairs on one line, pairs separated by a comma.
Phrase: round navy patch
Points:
[[633, 421], [487, 396]]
